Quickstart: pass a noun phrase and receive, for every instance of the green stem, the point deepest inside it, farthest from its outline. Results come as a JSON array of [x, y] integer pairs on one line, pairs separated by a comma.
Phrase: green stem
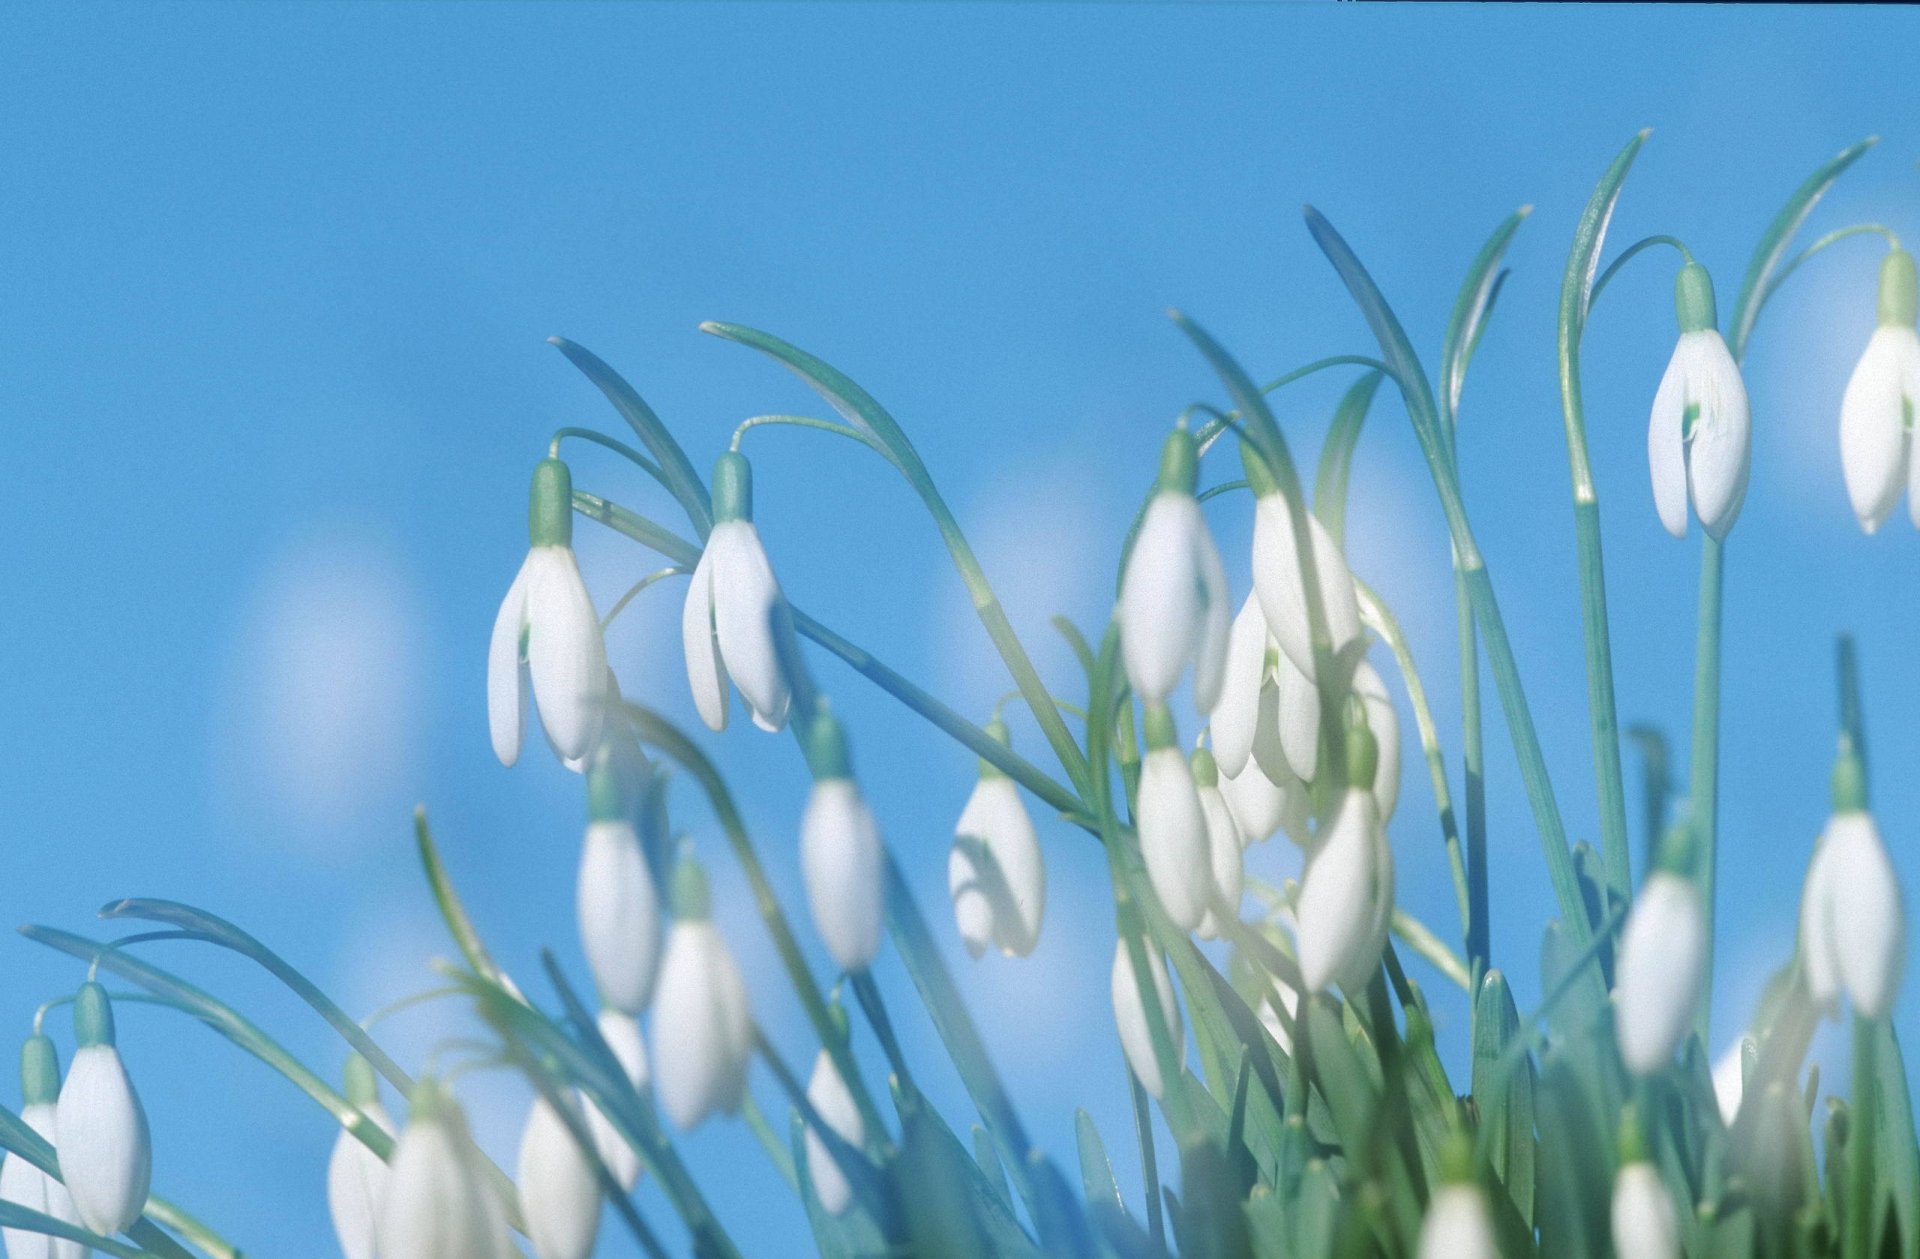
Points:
[[1704, 785], [598, 438], [1479, 926], [807, 421], [1858, 1234]]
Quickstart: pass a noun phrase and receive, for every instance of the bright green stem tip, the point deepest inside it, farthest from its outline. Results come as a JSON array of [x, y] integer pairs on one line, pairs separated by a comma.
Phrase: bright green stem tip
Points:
[[1159, 728], [39, 1072], [363, 1090], [1693, 299], [997, 731], [1633, 1137], [826, 749], [92, 1016], [1206, 771], [732, 487], [1363, 750], [1456, 1159], [550, 505], [1675, 854], [430, 1101], [1179, 463], [688, 894], [1259, 477], [1899, 291], [1849, 780], [606, 802]]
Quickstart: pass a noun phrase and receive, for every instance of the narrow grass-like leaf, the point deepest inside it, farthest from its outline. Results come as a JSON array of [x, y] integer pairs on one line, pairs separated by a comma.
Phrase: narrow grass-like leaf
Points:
[[1504, 1097], [1336, 455], [452, 912], [677, 474], [1757, 285]]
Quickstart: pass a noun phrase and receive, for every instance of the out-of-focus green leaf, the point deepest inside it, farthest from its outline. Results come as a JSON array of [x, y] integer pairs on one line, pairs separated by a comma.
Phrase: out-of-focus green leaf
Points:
[[1504, 1098], [1898, 1161], [676, 472]]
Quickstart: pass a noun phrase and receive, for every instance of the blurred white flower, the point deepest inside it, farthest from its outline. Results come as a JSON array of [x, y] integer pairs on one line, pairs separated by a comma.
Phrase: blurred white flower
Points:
[[1729, 1081], [23, 1183], [1660, 970], [1852, 924], [355, 1174], [1223, 848], [1173, 830], [702, 1028], [1280, 582], [615, 899], [1130, 1015], [1883, 394], [995, 873], [1385, 724], [438, 1202], [1697, 435], [829, 1095], [733, 618], [841, 855], [106, 1155], [1645, 1224], [622, 1034], [1261, 807], [1346, 898], [1173, 593], [1457, 1225], [559, 1193]]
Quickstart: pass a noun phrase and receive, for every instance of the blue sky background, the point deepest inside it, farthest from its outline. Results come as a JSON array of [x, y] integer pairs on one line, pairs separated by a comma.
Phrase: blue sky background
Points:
[[273, 374]]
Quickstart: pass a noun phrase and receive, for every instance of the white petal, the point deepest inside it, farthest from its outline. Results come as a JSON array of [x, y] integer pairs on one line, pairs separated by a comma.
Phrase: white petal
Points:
[[1297, 709], [1818, 957], [1457, 1226], [1874, 439], [106, 1157], [1260, 806], [355, 1175], [1130, 1016], [1162, 601], [1718, 458], [999, 816], [22, 1182], [1868, 924], [1278, 581], [1223, 852], [559, 1194], [1666, 446], [566, 657], [1346, 896], [746, 600], [1231, 724], [622, 1035], [1729, 1081], [706, 675], [840, 856], [1270, 1018], [968, 888], [1210, 646], [1661, 967], [1385, 724], [435, 1204], [506, 683], [701, 1027], [1173, 836], [831, 1098], [1645, 1224], [619, 914]]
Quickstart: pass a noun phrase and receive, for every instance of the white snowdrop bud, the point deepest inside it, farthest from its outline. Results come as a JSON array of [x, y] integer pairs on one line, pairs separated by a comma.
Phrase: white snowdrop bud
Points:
[[618, 908], [1661, 963], [1883, 394], [1280, 583], [840, 853], [702, 1029], [1244, 681], [1457, 1225], [559, 1194], [1173, 830], [437, 1202], [622, 1034], [1130, 1015], [829, 1095], [1645, 1224], [1697, 436], [1346, 898], [1852, 923], [995, 873], [548, 634], [1223, 849], [1173, 593], [735, 614], [106, 1156], [355, 1174], [23, 1183]]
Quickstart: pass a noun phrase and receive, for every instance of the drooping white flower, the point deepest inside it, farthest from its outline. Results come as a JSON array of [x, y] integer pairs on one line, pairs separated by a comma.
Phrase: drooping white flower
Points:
[[1697, 435], [1730, 1081], [559, 1194], [615, 899], [702, 1028], [1346, 897], [1173, 593], [1883, 394], [1280, 582], [1457, 1225], [1661, 963], [1269, 711], [1173, 830], [355, 1174], [622, 1034], [1385, 724], [1645, 1224], [1260, 807], [547, 636], [1224, 847], [1852, 924], [829, 1095], [840, 853], [1130, 1015], [995, 873], [106, 1155], [735, 615], [23, 1183], [438, 1202]]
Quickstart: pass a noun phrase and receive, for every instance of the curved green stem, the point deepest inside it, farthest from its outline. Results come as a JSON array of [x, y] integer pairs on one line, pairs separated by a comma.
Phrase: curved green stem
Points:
[[598, 438], [1831, 238], [1639, 246], [1205, 434], [808, 421], [634, 591], [1703, 787]]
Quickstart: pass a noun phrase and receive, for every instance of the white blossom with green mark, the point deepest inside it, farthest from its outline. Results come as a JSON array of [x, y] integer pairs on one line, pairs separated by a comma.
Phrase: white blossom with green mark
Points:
[[1661, 970], [1853, 928], [23, 1183], [731, 624], [355, 1174], [996, 876], [106, 1155], [438, 1202], [1883, 395], [702, 1028], [1697, 437], [1173, 593], [841, 856], [615, 899], [1173, 829]]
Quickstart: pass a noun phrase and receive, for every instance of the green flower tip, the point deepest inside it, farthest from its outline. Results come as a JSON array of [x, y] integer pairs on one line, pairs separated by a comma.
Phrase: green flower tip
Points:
[[39, 1072], [1633, 1138], [550, 505], [688, 893], [606, 800], [363, 1090], [1260, 478], [827, 754], [1849, 780], [1159, 728], [1363, 750], [1179, 463], [1693, 299], [1899, 292], [732, 487], [997, 731], [432, 1102], [1675, 853], [837, 1015], [92, 1016], [1457, 1160], [1206, 771]]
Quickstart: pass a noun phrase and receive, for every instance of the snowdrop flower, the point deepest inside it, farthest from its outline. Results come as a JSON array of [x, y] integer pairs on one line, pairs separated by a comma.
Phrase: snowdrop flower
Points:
[[702, 1029], [735, 614], [1269, 710], [1661, 967], [1130, 1015], [1385, 724], [1173, 829], [438, 1203], [622, 1035], [1280, 582], [355, 1174], [1173, 593], [1645, 1224], [1346, 893], [840, 852], [1223, 848], [559, 1193], [618, 908], [995, 875], [1260, 807], [106, 1156], [1730, 1080], [1697, 436], [23, 1183], [547, 634], [1883, 394], [1852, 924], [1457, 1223], [829, 1095]]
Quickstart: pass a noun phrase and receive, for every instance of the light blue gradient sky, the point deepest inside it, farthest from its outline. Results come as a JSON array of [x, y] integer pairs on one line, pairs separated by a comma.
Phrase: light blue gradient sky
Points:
[[271, 362]]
